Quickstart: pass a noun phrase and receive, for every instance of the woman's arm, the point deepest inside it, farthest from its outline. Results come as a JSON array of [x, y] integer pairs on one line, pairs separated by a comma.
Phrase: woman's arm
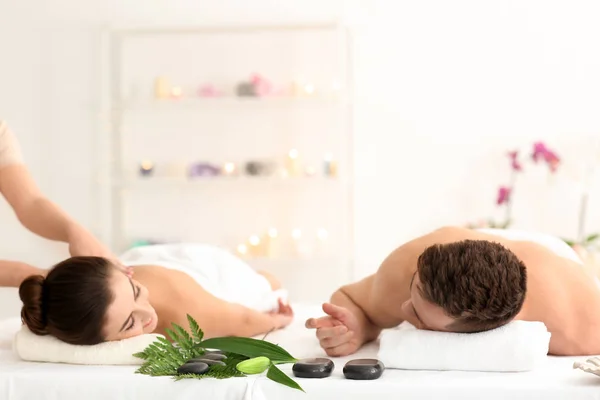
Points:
[[218, 317]]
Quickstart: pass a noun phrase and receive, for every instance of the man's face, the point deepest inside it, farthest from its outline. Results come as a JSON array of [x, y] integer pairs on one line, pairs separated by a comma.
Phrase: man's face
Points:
[[423, 314]]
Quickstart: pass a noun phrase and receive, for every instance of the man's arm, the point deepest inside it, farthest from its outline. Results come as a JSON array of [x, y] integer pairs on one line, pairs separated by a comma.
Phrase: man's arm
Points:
[[356, 298], [359, 311], [12, 273]]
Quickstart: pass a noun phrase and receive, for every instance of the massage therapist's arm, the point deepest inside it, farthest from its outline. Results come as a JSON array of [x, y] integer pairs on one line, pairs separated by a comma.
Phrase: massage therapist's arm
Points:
[[44, 218], [12, 273], [33, 209]]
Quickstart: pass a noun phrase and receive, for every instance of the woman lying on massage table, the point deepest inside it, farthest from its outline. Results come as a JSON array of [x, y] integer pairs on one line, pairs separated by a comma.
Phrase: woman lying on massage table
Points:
[[89, 300]]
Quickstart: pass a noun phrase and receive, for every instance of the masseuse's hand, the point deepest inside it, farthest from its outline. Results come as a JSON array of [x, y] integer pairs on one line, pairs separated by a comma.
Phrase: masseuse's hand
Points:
[[83, 243], [338, 332]]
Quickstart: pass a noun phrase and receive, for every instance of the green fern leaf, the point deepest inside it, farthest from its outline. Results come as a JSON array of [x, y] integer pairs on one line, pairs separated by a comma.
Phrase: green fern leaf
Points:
[[163, 358], [171, 334], [143, 355], [197, 333], [183, 338]]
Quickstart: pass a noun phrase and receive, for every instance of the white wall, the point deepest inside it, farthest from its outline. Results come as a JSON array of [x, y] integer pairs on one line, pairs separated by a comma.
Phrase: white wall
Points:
[[50, 89], [443, 90]]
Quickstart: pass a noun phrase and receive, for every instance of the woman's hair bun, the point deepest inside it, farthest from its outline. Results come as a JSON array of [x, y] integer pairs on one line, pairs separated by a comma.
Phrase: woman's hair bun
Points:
[[33, 313]]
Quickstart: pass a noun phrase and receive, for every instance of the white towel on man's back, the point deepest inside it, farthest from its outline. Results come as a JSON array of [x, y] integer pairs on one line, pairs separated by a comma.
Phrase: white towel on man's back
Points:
[[516, 346]]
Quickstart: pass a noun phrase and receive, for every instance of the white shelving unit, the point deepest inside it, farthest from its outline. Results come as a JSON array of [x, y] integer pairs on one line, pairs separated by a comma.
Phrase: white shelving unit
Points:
[[224, 210]]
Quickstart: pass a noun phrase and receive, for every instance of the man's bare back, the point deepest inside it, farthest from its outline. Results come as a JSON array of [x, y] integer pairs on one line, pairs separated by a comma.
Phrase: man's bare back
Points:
[[559, 293]]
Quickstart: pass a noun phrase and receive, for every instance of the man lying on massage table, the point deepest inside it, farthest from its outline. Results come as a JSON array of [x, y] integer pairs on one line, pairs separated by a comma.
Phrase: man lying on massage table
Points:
[[89, 300], [462, 280]]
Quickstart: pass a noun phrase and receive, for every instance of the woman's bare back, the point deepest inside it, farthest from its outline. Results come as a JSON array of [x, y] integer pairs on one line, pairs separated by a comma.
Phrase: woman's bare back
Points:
[[172, 292], [175, 294]]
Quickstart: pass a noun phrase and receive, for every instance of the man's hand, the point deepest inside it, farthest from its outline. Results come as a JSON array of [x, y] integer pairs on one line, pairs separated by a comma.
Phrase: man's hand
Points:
[[339, 332], [83, 243]]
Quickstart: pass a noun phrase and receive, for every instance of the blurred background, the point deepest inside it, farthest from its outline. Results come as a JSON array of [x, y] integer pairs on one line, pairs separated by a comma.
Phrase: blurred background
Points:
[[309, 137]]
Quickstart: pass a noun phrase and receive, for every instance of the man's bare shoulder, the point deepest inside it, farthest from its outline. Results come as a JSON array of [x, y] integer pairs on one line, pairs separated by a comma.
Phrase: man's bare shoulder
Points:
[[443, 235]]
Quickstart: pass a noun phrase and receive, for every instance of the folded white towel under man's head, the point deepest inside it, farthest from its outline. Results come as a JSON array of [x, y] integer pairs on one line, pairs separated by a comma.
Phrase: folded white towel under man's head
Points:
[[517, 346], [31, 347]]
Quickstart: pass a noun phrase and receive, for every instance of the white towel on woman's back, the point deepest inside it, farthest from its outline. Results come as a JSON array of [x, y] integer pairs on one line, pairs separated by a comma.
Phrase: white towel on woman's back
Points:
[[215, 269], [516, 346]]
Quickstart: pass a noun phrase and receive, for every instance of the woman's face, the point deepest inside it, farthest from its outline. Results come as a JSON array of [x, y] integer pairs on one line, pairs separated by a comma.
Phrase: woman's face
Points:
[[130, 314]]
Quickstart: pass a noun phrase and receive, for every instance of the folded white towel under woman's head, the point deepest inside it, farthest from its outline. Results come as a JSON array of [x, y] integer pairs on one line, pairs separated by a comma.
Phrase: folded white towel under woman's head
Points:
[[31, 347], [517, 346]]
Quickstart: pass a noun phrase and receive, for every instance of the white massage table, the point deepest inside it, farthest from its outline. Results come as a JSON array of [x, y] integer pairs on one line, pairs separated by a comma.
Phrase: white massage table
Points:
[[23, 380]]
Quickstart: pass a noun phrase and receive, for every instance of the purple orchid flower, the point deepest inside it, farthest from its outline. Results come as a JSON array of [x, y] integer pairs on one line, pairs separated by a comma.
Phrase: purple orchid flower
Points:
[[541, 152], [514, 161], [503, 195]]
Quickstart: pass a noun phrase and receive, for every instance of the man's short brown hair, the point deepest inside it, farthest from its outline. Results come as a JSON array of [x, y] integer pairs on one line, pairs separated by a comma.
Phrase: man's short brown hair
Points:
[[480, 283]]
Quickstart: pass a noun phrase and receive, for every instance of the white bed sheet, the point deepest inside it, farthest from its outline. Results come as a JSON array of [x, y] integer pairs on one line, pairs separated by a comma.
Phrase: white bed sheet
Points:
[[23, 380]]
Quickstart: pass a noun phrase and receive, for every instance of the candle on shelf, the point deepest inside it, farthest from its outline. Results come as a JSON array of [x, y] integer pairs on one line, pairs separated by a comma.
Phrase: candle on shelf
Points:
[[255, 248], [229, 169], [270, 242], [322, 234], [294, 89], [242, 250], [292, 163], [302, 248], [161, 88], [176, 92], [146, 168], [330, 165], [310, 171], [309, 89]]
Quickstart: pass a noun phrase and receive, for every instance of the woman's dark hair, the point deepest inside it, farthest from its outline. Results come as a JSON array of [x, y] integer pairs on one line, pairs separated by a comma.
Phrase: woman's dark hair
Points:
[[71, 302]]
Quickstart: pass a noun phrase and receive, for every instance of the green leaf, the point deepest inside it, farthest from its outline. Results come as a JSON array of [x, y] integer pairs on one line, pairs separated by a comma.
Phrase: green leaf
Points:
[[592, 238], [277, 375], [195, 329], [142, 354], [163, 358], [184, 338], [171, 334], [249, 347], [569, 242]]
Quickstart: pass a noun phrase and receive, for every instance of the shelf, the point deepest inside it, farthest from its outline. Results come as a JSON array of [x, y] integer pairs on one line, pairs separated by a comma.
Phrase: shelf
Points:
[[290, 262], [209, 102], [210, 181]]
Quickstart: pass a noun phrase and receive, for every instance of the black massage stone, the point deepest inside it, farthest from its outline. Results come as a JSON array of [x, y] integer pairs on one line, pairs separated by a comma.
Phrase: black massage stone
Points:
[[363, 369], [193, 368], [208, 361], [212, 356], [313, 368]]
